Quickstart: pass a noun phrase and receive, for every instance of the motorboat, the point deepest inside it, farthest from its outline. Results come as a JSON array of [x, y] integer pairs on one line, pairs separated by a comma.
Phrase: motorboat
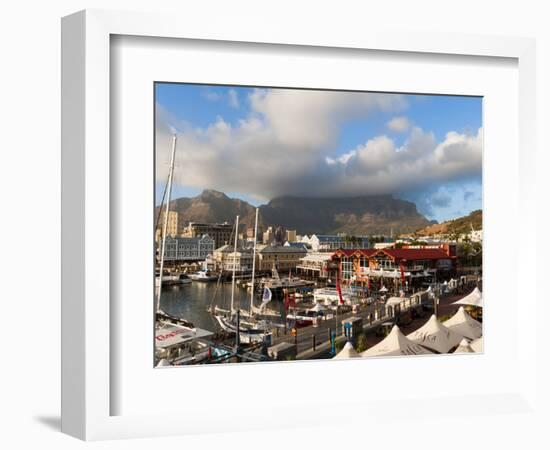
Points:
[[203, 275], [172, 279]]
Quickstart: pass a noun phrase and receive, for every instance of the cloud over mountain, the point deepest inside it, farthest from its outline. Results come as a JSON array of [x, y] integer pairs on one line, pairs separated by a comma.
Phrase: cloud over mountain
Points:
[[286, 145]]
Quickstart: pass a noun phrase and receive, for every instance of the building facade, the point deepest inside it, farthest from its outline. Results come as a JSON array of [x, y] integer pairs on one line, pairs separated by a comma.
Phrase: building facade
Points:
[[172, 228], [225, 259], [331, 243], [181, 249], [392, 267], [221, 233], [291, 235], [315, 265], [284, 258]]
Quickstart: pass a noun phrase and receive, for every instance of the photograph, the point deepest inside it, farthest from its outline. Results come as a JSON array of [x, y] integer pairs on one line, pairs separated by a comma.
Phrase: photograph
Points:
[[295, 224]]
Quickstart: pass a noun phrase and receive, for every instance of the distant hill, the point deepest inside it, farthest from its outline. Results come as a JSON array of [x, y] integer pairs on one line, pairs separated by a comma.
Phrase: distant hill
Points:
[[213, 206], [365, 215], [459, 226]]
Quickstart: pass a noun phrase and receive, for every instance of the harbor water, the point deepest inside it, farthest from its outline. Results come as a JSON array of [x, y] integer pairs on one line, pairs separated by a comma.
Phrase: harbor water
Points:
[[191, 301]]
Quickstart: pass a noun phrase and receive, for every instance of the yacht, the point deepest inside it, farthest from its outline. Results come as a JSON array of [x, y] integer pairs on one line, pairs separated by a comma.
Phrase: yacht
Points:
[[202, 275]]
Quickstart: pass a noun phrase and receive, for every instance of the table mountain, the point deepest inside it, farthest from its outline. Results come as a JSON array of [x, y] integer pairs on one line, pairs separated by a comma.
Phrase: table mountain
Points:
[[380, 214], [364, 215]]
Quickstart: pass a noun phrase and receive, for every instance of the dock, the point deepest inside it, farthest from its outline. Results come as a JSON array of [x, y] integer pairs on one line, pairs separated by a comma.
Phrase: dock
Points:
[[313, 341]]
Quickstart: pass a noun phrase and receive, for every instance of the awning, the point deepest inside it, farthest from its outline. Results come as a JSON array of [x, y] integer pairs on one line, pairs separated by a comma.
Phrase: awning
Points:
[[464, 347], [474, 298], [396, 344], [462, 323], [347, 352], [435, 336]]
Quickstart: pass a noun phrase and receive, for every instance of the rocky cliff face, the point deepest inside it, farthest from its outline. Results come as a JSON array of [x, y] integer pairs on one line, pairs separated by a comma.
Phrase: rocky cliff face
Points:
[[356, 216]]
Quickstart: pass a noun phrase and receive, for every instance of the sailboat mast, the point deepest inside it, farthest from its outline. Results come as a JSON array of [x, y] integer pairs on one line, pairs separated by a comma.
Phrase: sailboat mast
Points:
[[234, 265], [254, 262], [166, 213]]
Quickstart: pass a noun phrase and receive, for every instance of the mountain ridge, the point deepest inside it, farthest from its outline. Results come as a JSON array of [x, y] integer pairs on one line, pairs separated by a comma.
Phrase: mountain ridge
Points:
[[357, 215]]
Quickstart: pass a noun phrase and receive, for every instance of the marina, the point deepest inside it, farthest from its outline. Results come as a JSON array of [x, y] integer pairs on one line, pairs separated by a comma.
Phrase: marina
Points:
[[314, 275]]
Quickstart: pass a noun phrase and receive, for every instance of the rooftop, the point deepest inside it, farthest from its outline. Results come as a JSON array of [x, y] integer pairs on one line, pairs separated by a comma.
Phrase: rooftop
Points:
[[415, 253], [282, 249]]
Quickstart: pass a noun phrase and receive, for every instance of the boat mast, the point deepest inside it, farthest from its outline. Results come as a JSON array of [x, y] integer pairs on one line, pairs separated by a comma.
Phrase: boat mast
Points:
[[254, 262], [165, 225], [234, 265]]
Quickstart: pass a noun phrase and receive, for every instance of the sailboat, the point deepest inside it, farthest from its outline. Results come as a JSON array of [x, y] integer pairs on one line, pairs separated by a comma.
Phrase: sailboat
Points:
[[162, 318], [250, 331]]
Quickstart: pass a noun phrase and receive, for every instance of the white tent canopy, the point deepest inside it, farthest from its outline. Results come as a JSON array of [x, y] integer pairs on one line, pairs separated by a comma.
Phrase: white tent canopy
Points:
[[395, 344], [383, 289], [347, 352], [474, 298], [317, 308], [464, 347], [435, 336], [463, 324], [164, 363], [477, 345]]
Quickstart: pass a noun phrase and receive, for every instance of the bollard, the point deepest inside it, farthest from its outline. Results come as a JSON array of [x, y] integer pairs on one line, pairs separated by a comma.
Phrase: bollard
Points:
[[329, 333], [313, 342]]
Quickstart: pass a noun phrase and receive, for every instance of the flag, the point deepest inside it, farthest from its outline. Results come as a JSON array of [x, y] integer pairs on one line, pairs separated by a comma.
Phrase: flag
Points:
[[290, 300], [266, 296], [341, 302]]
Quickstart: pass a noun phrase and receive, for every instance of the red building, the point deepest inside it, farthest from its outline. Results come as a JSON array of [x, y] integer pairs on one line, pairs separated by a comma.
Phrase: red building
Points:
[[402, 268]]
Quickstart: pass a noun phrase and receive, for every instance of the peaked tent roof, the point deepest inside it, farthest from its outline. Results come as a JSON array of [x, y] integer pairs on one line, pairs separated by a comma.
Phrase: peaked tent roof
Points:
[[474, 298], [463, 324], [435, 336], [317, 308], [464, 347], [347, 352], [477, 345], [163, 363], [396, 344]]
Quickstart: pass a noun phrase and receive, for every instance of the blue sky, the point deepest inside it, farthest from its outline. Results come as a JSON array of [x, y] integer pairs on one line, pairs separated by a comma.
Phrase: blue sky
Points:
[[423, 148]]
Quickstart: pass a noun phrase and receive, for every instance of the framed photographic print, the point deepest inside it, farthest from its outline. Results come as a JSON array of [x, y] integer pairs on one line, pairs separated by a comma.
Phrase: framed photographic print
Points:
[[313, 222]]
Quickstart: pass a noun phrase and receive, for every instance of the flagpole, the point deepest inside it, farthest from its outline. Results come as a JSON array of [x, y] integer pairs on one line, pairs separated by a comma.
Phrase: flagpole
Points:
[[166, 215], [234, 265], [254, 262]]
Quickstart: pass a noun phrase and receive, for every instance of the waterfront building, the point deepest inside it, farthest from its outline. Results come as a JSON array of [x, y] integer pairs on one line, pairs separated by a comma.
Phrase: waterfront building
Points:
[[225, 258], [330, 243], [315, 265], [392, 266], [297, 245], [284, 258], [182, 249], [221, 233]]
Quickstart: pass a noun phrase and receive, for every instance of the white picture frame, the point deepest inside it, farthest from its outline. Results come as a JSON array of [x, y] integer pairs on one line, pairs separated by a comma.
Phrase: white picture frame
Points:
[[87, 384]]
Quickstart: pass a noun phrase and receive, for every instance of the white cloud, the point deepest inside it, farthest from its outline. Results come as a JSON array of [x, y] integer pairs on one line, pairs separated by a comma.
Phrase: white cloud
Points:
[[211, 96], [399, 124], [233, 98], [286, 147]]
